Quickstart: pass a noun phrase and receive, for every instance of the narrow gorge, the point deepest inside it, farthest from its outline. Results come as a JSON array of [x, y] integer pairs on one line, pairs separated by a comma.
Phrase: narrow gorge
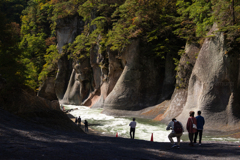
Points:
[[128, 83]]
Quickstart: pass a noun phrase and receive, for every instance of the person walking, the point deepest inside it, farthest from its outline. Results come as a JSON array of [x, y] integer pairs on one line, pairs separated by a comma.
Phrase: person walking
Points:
[[76, 120], [79, 121], [200, 124], [191, 127], [132, 128], [86, 125], [177, 130]]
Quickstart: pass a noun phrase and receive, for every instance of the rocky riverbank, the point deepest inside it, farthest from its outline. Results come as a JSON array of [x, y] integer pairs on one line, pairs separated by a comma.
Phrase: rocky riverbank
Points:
[[22, 139]]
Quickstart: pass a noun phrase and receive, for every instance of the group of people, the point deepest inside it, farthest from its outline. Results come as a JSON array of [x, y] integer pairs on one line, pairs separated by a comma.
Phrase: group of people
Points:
[[194, 127], [78, 121]]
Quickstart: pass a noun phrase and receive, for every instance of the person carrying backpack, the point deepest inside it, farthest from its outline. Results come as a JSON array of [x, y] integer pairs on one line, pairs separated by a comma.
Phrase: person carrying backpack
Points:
[[177, 130]]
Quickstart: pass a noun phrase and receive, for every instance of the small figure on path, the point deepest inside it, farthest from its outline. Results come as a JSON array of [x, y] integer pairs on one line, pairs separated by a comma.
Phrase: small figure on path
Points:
[[132, 128], [79, 120], [200, 124], [86, 125], [191, 124], [177, 130], [76, 120]]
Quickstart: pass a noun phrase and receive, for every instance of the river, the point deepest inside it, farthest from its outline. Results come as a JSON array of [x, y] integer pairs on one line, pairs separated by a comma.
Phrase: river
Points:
[[109, 125]]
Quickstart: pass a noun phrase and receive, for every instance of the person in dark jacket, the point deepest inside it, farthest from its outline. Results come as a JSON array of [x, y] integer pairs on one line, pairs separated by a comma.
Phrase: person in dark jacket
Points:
[[76, 120], [190, 129], [200, 124], [86, 125], [79, 121]]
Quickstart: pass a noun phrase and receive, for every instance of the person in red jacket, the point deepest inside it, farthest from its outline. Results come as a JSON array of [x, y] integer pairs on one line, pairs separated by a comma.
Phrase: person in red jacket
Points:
[[191, 130]]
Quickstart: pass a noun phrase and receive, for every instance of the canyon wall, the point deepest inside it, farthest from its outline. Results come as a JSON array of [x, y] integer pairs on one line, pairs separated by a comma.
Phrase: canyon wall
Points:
[[133, 84], [214, 84]]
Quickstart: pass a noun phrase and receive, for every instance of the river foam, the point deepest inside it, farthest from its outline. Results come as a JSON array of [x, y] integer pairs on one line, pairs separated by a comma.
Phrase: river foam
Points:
[[110, 125]]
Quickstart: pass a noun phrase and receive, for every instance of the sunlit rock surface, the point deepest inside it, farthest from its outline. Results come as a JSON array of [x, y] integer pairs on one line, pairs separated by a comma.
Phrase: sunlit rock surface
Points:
[[138, 85], [213, 85]]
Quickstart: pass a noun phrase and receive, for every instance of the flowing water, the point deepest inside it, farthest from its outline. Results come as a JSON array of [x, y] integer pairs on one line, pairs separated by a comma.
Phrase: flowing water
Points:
[[109, 125]]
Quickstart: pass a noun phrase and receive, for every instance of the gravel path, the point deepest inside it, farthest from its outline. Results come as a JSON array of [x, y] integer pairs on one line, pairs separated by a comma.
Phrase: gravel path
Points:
[[21, 139]]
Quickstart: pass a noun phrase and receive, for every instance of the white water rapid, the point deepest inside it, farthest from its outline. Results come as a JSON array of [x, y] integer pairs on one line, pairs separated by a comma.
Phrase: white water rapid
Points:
[[110, 125]]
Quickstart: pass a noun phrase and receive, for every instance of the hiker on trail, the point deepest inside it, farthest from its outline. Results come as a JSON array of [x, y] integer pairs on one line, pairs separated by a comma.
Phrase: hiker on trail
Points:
[[200, 124], [132, 128], [177, 130], [79, 120], [76, 120], [86, 125], [191, 127]]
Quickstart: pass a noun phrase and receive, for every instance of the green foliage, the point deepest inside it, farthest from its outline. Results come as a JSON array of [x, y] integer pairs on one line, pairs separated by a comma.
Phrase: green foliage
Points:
[[227, 15], [151, 21], [162, 26], [195, 19], [36, 38], [10, 67], [198, 16], [51, 58]]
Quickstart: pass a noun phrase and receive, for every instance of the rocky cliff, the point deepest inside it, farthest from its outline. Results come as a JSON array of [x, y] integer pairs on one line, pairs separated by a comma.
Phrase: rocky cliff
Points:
[[132, 84], [214, 84]]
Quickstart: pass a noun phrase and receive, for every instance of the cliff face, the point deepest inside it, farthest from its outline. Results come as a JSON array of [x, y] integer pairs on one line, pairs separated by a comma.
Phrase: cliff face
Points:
[[184, 70], [135, 89], [130, 83], [72, 84], [213, 85]]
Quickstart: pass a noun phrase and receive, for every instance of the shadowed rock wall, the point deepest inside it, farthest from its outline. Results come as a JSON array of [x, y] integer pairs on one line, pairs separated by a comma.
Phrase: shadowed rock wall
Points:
[[70, 79], [184, 70]]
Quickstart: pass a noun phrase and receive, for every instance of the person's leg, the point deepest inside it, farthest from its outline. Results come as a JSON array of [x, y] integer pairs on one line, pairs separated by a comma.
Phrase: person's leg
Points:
[[170, 137], [133, 132], [200, 136], [178, 139], [195, 138], [190, 136]]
